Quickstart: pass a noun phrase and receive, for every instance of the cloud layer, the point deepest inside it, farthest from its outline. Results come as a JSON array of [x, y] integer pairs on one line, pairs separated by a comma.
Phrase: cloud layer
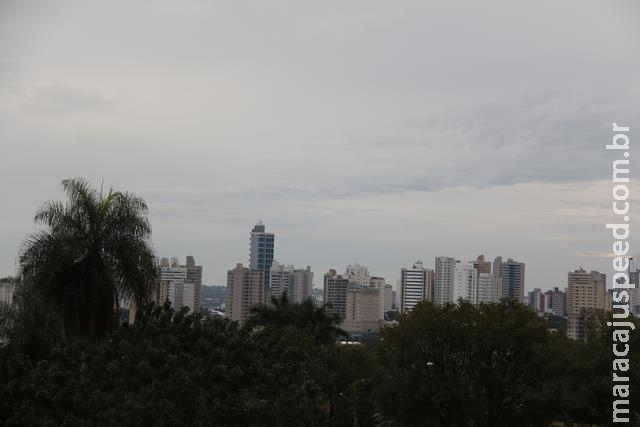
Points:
[[359, 133]]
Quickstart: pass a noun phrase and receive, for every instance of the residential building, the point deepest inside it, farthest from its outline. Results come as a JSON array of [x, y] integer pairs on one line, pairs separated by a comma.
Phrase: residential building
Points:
[[415, 286], [280, 279], [481, 265], [489, 288], [335, 293], [183, 283], [362, 312], [512, 274], [379, 284], [536, 300], [261, 250], [586, 295], [465, 282], [558, 304], [444, 280], [245, 290], [388, 298], [295, 283], [194, 276], [358, 274], [302, 284]]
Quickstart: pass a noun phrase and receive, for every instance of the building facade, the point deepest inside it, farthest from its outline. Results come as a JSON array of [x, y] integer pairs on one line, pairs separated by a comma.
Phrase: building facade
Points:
[[512, 274], [182, 284], [481, 265], [297, 284], [586, 295], [245, 290], [489, 288], [445, 268], [261, 251], [358, 274], [415, 286], [465, 282], [335, 293], [362, 309]]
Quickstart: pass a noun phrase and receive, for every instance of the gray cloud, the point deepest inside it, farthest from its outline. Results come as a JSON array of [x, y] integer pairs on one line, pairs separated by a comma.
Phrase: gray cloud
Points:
[[61, 99], [346, 127]]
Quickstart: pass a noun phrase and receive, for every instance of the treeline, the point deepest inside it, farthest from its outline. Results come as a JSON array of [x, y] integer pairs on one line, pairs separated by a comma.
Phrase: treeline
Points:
[[457, 365]]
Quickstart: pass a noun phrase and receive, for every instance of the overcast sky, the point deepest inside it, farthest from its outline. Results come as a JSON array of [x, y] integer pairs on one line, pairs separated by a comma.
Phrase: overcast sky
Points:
[[358, 131]]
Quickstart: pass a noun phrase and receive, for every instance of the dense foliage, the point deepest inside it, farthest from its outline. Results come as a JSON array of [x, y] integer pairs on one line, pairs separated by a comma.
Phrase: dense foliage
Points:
[[174, 368], [457, 365]]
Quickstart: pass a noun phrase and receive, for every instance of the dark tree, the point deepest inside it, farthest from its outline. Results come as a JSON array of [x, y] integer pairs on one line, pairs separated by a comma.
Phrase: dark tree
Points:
[[461, 365], [93, 250], [321, 324]]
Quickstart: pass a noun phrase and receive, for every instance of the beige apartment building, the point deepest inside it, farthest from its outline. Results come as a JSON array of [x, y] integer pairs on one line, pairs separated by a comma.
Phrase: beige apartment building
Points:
[[586, 295], [245, 289], [363, 308]]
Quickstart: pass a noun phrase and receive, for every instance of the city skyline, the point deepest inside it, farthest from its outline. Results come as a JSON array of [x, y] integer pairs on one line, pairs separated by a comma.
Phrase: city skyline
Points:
[[377, 134], [392, 280]]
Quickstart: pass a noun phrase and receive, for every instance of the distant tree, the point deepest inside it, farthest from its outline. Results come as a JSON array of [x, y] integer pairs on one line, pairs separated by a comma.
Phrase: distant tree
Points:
[[584, 374], [348, 377], [462, 365], [321, 324], [94, 249], [175, 368], [27, 324]]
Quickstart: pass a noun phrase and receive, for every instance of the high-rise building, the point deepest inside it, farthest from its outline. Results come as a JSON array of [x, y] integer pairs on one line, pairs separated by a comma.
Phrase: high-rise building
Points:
[[536, 300], [465, 282], [586, 295], [497, 263], [388, 298], [558, 303], [512, 275], [261, 249], [295, 283], [280, 279], [335, 293], [481, 265], [362, 312], [302, 285], [245, 290], [379, 284], [175, 277], [358, 274], [183, 283], [194, 276], [489, 288], [415, 286], [444, 280]]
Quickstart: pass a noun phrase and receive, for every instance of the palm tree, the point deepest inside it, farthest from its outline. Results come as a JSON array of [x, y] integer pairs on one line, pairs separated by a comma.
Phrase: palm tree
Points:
[[323, 325], [93, 250]]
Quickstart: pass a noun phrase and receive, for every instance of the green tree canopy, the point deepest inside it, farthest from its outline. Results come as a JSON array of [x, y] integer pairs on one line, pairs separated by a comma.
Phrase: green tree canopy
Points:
[[93, 250], [460, 365], [321, 324]]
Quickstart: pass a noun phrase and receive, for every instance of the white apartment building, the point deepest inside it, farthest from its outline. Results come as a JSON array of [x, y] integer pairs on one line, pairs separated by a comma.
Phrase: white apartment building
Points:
[[415, 286]]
